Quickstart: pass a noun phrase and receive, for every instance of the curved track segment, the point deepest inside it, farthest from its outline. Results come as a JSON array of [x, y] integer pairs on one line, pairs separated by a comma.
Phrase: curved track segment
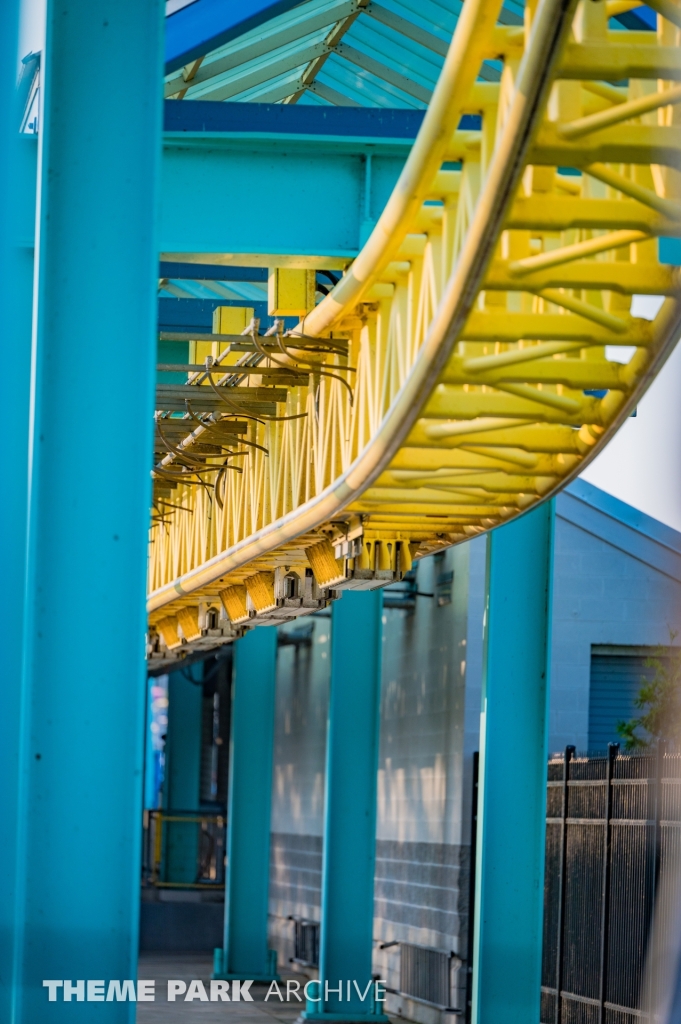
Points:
[[503, 319]]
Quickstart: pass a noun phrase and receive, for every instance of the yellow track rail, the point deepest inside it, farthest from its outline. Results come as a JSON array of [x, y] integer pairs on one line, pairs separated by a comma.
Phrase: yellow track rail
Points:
[[480, 322]]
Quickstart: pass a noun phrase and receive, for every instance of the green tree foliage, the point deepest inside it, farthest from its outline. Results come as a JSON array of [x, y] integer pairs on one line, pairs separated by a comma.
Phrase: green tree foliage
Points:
[[659, 701]]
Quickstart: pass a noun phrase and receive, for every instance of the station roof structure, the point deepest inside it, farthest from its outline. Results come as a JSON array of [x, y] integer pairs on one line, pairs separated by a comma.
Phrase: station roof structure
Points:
[[329, 52], [338, 53]]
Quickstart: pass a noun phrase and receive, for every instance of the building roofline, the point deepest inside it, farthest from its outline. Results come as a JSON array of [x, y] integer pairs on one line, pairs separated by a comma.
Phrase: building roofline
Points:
[[205, 25], [622, 526]]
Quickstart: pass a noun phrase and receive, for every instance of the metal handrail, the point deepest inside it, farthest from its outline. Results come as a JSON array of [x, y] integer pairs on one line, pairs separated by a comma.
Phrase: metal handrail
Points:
[[154, 848]]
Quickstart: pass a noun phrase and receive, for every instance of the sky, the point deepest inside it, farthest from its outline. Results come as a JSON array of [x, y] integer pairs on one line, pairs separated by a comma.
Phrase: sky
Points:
[[640, 465], [31, 28]]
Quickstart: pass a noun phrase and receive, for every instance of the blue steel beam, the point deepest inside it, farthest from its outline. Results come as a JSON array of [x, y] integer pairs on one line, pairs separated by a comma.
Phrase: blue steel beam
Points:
[[283, 163], [260, 192], [238, 196], [182, 315], [209, 272], [272, 119], [509, 890], [16, 279], [346, 939], [207, 24], [245, 953], [253, 179], [81, 762]]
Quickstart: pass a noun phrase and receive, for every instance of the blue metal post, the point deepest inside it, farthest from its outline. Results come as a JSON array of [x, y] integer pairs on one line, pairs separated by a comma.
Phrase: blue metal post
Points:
[[93, 379], [156, 735], [509, 890], [346, 939], [183, 775], [17, 185], [245, 952]]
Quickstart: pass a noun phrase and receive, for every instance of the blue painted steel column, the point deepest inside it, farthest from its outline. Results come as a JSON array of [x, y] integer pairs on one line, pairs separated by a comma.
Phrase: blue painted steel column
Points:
[[183, 775], [511, 810], [245, 953], [346, 939], [156, 735], [17, 184], [94, 353]]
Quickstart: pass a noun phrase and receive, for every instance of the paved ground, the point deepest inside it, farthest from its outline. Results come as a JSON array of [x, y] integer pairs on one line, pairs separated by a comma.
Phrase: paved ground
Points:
[[186, 967]]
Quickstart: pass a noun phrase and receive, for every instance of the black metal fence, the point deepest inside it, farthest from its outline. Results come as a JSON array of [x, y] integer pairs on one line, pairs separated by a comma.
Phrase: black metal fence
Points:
[[613, 823]]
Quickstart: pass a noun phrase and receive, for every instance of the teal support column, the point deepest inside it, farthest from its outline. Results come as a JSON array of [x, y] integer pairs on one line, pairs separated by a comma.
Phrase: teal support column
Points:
[[17, 188], [245, 953], [93, 383], [509, 892], [182, 775], [346, 940]]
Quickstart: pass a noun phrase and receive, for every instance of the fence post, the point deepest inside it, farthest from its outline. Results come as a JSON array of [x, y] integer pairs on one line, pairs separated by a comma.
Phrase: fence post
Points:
[[655, 943], [569, 754], [613, 750], [471, 889], [660, 750]]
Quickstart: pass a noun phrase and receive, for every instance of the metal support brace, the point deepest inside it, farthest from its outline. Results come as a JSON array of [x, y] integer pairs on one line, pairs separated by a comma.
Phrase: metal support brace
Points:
[[80, 753], [346, 937], [245, 953], [511, 813], [16, 281]]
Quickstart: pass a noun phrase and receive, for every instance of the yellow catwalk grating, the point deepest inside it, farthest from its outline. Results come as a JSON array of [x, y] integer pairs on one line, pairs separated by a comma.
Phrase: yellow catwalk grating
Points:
[[481, 348]]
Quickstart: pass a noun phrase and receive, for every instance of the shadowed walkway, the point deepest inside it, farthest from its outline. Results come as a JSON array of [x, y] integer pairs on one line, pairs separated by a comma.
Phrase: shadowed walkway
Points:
[[186, 967]]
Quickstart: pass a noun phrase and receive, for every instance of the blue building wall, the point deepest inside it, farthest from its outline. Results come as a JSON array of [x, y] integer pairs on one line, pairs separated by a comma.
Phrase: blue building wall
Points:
[[617, 582]]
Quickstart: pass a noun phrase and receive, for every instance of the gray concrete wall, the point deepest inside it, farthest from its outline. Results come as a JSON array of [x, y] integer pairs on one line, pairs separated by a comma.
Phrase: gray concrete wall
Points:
[[617, 580], [422, 708], [428, 734], [302, 698], [303, 671]]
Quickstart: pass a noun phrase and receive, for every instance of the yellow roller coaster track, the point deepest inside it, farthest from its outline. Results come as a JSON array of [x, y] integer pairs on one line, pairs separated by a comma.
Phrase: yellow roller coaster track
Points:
[[479, 351]]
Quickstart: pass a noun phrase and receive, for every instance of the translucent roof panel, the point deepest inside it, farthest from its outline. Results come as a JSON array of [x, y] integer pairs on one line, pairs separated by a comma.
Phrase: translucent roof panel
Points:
[[337, 52]]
